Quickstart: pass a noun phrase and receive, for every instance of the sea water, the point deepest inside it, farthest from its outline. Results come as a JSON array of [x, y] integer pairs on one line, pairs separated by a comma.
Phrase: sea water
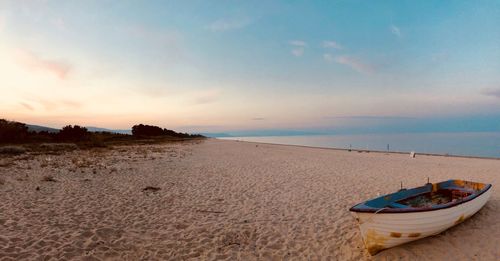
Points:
[[479, 144]]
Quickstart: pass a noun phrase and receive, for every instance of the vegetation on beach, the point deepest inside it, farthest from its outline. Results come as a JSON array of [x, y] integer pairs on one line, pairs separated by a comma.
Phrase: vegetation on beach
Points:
[[12, 132], [142, 130]]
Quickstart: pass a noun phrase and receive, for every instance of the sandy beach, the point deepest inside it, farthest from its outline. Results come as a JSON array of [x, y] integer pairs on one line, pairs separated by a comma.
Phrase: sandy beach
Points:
[[224, 200]]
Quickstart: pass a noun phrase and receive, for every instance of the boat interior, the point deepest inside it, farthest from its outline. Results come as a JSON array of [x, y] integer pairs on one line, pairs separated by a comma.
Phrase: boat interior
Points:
[[428, 197]]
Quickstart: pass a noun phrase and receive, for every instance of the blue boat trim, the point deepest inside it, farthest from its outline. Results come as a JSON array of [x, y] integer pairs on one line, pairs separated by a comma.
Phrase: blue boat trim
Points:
[[390, 203]]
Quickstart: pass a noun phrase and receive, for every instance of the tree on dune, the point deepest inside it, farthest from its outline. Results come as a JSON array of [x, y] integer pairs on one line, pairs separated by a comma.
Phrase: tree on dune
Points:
[[11, 131], [73, 133], [142, 130]]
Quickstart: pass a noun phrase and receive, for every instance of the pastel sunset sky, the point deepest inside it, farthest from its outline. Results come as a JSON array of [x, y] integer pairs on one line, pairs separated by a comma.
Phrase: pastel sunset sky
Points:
[[235, 65]]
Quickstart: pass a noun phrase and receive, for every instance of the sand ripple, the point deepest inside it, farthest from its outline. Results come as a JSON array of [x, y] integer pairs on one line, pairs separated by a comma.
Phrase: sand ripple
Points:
[[223, 200]]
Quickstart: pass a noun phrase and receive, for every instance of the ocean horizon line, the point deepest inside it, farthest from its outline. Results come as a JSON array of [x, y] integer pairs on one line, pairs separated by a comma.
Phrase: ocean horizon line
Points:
[[366, 151], [468, 144]]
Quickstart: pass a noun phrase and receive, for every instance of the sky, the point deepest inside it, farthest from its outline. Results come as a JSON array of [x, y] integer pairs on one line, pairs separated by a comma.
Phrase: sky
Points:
[[204, 66]]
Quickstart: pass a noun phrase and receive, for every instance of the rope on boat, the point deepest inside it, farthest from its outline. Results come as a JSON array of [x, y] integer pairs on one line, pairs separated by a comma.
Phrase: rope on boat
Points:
[[367, 220], [375, 213]]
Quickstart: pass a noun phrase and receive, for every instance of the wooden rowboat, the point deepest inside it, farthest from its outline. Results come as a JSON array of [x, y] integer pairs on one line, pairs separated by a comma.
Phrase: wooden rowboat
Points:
[[411, 214]]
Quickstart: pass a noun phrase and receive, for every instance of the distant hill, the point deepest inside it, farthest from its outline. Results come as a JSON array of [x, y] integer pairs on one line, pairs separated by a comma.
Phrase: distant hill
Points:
[[97, 129], [37, 128], [217, 135], [261, 133]]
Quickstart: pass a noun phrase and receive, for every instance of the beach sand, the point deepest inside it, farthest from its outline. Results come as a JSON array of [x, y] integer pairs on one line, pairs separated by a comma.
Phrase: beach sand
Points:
[[224, 200]]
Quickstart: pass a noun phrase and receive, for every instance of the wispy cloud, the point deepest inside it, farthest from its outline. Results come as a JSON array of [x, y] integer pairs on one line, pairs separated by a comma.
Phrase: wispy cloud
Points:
[[298, 43], [162, 44], [27, 106], [395, 30], [51, 104], [495, 92], [59, 23], [370, 117], [226, 24], [298, 47], [48, 105], [206, 96], [328, 57], [2, 22], [298, 52], [258, 119], [71, 104], [355, 64], [439, 57], [152, 36], [332, 44], [59, 68], [67, 104]]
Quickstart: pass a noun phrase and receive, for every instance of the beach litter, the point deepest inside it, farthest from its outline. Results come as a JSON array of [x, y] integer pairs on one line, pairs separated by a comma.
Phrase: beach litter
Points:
[[151, 189]]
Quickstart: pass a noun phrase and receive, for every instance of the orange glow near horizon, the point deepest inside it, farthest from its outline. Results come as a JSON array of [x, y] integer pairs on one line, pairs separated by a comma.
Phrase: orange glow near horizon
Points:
[[123, 66]]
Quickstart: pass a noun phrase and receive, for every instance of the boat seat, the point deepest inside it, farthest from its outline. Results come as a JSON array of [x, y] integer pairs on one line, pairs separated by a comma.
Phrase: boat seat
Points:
[[397, 205], [464, 190]]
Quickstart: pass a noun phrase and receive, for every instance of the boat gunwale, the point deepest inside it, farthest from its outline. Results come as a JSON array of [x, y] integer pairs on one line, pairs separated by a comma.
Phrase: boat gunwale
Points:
[[413, 210]]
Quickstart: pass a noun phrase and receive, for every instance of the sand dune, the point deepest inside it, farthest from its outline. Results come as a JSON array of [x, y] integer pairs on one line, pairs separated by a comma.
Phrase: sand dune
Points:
[[223, 200]]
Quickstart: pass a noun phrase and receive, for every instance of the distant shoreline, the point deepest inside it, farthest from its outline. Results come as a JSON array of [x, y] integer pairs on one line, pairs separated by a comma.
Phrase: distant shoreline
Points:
[[364, 150]]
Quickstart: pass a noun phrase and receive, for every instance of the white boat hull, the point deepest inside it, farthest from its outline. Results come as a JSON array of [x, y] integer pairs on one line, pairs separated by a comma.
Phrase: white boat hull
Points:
[[385, 230]]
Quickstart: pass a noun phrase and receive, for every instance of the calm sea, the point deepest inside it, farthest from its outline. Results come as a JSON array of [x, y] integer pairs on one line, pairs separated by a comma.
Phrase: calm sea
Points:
[[481, 144]]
